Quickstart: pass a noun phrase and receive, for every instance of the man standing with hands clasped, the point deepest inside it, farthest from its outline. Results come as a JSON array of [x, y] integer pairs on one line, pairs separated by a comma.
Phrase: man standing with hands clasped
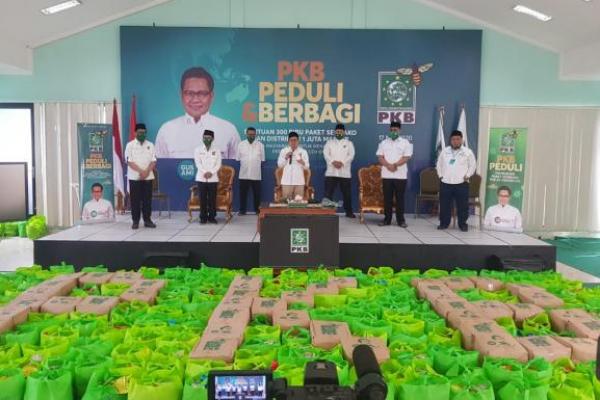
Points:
[[141, 160], [208, 162], [251, 155], [393, 154], [339, 153], [455, 165]]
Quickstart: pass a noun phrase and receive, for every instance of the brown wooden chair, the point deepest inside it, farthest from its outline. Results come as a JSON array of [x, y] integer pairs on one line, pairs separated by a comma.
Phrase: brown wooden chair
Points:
[[429, 190], [370, 190], [309, 191], [224, 193], [160, 196]]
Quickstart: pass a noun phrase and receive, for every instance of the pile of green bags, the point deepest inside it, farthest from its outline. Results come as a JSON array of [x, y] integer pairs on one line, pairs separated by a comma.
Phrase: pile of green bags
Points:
[[34, 228]]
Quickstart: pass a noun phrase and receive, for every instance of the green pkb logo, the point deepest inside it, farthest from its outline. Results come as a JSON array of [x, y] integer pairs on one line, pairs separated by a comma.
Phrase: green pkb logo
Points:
[[299, 241], [96, 141], [186, 170], [396, 98]]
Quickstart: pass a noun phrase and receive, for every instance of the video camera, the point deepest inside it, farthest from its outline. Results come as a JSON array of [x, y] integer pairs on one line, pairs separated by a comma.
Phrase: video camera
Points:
[[320, 382]]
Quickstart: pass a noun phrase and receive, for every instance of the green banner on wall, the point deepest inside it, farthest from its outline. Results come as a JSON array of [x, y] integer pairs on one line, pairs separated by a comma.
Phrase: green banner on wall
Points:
[[96, 167], [506, 164]]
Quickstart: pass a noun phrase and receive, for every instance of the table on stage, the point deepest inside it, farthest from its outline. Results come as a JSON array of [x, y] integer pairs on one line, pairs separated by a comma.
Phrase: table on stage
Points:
[[298, 235]]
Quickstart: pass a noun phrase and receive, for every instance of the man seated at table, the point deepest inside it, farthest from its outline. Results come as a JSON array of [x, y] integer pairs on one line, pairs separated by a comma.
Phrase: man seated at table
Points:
[[503, 217], [294, 160]]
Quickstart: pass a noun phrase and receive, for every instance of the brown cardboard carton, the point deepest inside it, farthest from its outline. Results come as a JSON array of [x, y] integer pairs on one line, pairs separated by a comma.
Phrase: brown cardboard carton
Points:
[[323, 288], [292, 297], [488, 284], [241, 294], [267, 306], [582, 349], [559, 318], [382, 353], [443, 306], [416, 282], [540, 298], [432, 289], [586, 328], [32, 304], [245, 282], [233, 331], [456, 318], [472, 328], [344, 282], [238, 302], [99, 305], [493, 309], [128, 277], [154, 284], [434, 296], [289, 318], [42, 293], [17, 314], [60, 305], [515, 288], [227, 315], [138, 293], [6, 324], [64, 284], [545, 347], [524, 311], [215, 349], [96, 278], [456, 283], [328, 334], [499, 344]]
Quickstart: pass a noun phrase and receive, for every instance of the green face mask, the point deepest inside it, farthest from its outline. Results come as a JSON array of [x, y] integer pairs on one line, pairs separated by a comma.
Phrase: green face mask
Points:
[[339, 136], [207, 141], [251, 139], [140, 136], [393, 135]]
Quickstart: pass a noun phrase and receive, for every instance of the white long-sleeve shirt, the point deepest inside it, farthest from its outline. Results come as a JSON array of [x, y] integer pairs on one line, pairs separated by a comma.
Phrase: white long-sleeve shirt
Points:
[[293, 173], [339, 150], [393, 151], [207, 160], [98, 210], [251, 157], [453, 166], [142, 155], [179, 137], [503, 218]]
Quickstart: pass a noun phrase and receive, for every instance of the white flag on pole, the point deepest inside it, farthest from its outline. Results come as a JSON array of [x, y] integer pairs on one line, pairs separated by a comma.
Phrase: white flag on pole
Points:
[[462, 126], [440, 143]]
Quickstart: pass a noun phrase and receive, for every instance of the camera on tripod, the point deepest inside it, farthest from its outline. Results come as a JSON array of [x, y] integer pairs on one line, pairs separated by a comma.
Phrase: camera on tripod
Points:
[[320, 382]]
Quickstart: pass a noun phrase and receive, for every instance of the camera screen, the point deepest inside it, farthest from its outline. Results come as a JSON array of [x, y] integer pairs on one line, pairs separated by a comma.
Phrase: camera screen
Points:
[[243, 387]]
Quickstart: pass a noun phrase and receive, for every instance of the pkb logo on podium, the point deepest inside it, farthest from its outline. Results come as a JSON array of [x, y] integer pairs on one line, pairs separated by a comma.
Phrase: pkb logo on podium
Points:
[[299, 240], [396, 99]]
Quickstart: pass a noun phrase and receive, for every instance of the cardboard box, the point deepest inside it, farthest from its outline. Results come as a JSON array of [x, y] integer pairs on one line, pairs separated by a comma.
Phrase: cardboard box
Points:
[[241, 294], [63, 284], [540, 298], [96, 278], [499, 344], [60, 305], [18, 314], [6, 324], [328, 334], [545, 347], [233, 331], [493, 309], [237, 302], [245, 282], [515, 288], [489, 284], [138, 293], [32, 304], [456, 318], [323, 288], [435, 296], [227, 314], [99, 305], [585, 328], [292, 297], [42, 293], [154, 284], [559, 318], [128, 277], [472, 328], [344, 282], [290, 318], [456, 283], [215, 349], [582, 349], [267, 306], [523, 311], [382, 353], [431, 289], [416, 282], [443, 306]]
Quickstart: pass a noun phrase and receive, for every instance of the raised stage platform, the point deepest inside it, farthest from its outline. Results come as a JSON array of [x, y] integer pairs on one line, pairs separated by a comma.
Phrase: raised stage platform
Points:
[[175, 241]]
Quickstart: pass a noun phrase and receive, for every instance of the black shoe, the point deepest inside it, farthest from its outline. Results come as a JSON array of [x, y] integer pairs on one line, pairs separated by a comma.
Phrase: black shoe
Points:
[[384, 223], [402, 224], [242, 213], [212, 221], [350, 215], [135, 225], [464, 228], [149, 224], [441, 227], [202, 221]]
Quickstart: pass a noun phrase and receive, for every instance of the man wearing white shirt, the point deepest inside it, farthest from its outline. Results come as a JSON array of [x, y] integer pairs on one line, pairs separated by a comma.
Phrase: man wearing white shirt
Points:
[[179, 137], [251, 155], [339, 153], [455, 165], [294, 160], [208, 162], [393, 154], [141, 160], [98, 209], [503, 217]]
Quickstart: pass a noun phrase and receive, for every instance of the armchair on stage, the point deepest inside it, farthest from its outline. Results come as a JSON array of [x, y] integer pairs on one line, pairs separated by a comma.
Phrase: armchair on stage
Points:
[[308, 189], [370, 191], [224, 193]]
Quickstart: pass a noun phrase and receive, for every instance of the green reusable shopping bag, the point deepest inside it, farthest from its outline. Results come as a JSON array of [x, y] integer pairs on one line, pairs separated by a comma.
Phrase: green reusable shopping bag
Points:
[[394, 372], [84, 367], [452, 359], [431, 319], [62, 268], [97, 268], [472, 387], [293, 374], [104, 385], [347, 272], [58, 334], [425, 387], [265, 272], [354, 293], [371, 328], [54, 384], [24, 334], [11, 229], [405, 324], [159, 385], [12, 384], [254, 358], [9, 352], [434, 273], [381, 272], [499, 371], [569, 386], [195, 368], [522, 390], [463, 272], [149, 272], [445, 337], [470, 294], [538, 372], [330, 300], [538, 325], [113, 289], [508, 324], [296, 336], [503, 296]]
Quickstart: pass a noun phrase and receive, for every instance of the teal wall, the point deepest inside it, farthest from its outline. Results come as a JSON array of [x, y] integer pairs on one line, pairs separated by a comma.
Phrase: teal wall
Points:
[[86, 66]]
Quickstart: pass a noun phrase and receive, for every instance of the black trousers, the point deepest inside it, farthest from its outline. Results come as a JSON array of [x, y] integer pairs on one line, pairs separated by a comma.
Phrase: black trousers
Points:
[[246, 184], [208, 200], [394, 188], [345, 184], [140, 195], [449, 194]]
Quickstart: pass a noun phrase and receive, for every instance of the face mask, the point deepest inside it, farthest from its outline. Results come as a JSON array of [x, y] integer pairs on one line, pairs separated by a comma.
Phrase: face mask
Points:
[[207, 141], [251, 139], [140, 137], [339, 136], [393, 135]]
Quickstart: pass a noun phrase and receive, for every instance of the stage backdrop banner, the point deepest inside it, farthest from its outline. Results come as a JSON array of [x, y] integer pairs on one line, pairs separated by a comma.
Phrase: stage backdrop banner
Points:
[[306, 80], [95, 165], [506, 164]]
